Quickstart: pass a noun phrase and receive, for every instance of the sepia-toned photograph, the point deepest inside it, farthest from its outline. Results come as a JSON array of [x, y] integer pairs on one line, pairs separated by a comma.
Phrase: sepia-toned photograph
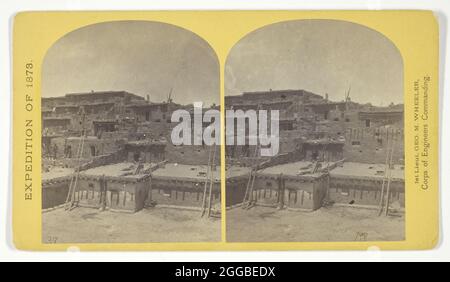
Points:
[[114, 95], [332, 167]]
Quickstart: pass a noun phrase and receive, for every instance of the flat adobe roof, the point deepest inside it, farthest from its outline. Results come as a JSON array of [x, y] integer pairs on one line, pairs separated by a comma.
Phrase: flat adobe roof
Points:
[[291, 169], [124, 169], [188, 172], [236, 171], [56, 172], [353, 169]]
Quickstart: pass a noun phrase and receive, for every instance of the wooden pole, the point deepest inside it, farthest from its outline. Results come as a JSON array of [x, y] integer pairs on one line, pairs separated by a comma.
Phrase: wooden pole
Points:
[[250, 179], [206, 183], [211, 182], [389, 180], [280, 191], [386, 164], [69, 194]]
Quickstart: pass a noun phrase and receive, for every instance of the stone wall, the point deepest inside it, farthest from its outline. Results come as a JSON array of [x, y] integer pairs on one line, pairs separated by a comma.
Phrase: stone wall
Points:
[[62, 147], [370, 145]]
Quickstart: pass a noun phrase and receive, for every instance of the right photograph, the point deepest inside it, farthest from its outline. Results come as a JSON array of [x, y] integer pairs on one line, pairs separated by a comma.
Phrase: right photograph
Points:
[[314, 135]]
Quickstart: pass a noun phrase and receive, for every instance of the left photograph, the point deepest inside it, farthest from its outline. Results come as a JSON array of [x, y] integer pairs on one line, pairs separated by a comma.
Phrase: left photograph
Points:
[[130, 130]]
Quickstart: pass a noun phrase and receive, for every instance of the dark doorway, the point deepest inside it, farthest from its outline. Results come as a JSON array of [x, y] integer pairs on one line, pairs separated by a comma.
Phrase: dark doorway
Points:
[[93, 151]]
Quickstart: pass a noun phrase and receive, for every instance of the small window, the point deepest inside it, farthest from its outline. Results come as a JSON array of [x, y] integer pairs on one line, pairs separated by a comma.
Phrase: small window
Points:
[[347, 120], [356, 143]]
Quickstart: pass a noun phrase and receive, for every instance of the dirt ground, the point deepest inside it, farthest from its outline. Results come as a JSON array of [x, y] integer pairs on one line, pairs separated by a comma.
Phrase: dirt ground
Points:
[[263, 224], [85, 225]]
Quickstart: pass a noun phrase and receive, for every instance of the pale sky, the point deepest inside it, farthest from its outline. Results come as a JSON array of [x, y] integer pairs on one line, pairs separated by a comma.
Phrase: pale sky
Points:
[[135, 56], [321, 56]]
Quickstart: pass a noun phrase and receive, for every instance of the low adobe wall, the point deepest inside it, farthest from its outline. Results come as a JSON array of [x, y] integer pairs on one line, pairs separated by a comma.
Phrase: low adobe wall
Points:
[[364, 191], [294, 192], [190, 154], [128, 194], [182, 193], [235, 190], [54, 192], [116, 193]]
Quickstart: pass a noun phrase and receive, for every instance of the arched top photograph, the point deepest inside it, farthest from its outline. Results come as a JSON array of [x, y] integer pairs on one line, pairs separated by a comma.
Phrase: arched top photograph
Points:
[[110, 92]]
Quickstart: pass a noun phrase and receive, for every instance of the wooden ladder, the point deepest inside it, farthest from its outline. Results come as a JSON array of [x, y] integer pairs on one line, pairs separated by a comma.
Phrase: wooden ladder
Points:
[[70, 200], [386, 185], [248, 197], [209, 177]]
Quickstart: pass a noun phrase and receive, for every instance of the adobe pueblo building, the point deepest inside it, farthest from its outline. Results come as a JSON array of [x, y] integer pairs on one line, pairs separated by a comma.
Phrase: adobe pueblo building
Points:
[[341, 153], [112, 150]]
